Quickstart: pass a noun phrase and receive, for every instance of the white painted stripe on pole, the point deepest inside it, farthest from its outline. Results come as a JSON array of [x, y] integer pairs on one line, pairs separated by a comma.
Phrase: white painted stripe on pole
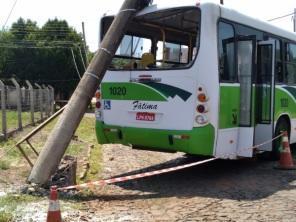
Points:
[[92, 75], [107, 51], [128, 10]]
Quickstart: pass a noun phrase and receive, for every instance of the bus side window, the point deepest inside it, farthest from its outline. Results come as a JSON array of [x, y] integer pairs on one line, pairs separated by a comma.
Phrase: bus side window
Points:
[[278, 73], [226, 53], [290, 64]]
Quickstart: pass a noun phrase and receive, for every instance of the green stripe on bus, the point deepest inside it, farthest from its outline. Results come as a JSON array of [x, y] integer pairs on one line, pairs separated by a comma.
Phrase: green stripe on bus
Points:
[[291, 90], [284, 102], [229, 107], [230, 104], [200, 141]]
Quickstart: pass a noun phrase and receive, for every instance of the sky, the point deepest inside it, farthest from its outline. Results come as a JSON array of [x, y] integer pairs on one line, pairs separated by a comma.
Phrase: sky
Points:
[[90, 12]]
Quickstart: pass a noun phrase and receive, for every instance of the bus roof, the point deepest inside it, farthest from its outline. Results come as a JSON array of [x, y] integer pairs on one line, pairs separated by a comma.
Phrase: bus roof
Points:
[[226, 13], [238, 17]]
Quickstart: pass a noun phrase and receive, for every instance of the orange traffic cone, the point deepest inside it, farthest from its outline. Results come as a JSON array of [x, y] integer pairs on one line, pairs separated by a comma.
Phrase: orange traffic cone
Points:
[[286, 160], [54, 213]]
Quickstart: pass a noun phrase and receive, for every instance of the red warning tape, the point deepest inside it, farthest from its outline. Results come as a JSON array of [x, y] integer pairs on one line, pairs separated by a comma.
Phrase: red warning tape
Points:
[[152, 173], [136, 176]]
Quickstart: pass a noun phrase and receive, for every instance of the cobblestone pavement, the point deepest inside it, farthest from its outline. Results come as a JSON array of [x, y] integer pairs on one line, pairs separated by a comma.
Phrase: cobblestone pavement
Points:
[[244, 190]]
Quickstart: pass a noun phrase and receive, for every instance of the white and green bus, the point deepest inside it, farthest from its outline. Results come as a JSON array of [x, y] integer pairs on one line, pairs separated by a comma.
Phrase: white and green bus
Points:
[[203, 80]]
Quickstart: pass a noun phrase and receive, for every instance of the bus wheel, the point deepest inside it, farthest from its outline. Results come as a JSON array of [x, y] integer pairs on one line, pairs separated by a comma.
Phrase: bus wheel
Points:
[[282, 125]]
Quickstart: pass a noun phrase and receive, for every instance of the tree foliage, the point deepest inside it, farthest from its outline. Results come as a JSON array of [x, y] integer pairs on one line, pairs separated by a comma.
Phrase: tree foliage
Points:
[[42, 55]]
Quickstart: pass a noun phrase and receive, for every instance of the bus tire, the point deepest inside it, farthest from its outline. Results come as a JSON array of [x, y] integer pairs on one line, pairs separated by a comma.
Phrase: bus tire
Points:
[[282, 125]]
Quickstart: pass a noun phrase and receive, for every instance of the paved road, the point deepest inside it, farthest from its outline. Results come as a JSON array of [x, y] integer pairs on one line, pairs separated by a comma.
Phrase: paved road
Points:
[[245, 190]]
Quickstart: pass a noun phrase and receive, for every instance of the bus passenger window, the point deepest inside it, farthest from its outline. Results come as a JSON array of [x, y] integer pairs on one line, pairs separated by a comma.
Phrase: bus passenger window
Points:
[[226, 53], [291, 73], [174, 53], [169, 42], [290, 64], [279, 78], [130, 52]]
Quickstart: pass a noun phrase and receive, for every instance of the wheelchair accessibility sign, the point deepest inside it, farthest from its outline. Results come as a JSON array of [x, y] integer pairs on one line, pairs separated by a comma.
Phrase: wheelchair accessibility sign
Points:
[[107, 105]]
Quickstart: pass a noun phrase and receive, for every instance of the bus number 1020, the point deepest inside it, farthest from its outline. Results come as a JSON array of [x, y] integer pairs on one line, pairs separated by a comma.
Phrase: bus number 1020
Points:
[[117, 91]]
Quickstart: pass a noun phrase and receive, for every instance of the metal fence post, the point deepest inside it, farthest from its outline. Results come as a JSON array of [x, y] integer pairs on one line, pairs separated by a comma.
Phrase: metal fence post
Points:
[[46, 97], [40, 99], [19, 102], [51, 99], [3, 109], [32, 101]]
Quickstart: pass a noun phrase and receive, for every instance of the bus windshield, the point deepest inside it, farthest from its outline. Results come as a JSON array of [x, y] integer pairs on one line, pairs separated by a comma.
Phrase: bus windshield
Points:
[[166, 39]]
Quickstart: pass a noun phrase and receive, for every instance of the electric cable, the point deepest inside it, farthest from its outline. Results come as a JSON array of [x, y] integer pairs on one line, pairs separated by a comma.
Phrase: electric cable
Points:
[[75, 64], [280, 17], [3, 27]]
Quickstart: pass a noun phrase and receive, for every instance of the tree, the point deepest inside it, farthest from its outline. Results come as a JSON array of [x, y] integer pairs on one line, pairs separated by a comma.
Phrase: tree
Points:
[[43, 54]]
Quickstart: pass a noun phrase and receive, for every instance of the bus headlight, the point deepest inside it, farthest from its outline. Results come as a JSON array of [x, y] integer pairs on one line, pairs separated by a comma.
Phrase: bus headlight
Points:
[[201, 119]]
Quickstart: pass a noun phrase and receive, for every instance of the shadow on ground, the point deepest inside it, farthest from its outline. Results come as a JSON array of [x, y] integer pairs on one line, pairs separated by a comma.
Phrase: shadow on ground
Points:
[[223, 179]]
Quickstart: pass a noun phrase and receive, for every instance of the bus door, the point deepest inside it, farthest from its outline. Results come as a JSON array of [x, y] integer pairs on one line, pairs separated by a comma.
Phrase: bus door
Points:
[[264, 93], [246, 54]]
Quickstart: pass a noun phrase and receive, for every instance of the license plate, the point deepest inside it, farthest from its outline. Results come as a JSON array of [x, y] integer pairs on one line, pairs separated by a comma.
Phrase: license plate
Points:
[[150, 117]]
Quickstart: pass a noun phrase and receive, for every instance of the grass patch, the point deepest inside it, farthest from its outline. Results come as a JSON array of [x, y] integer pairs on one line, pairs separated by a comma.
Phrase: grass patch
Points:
[[78, 147], [6, 217], [9, 203], [94, 162], [10, 154], [4, 165], [12, 119], [86, 136]]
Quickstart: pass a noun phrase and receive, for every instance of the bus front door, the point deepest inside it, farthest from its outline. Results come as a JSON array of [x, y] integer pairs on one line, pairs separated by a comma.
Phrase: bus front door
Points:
[[246, 54], [264, 96]]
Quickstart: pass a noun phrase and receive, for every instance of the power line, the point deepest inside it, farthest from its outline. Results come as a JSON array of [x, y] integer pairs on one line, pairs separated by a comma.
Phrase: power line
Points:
[[75, 64], [49, 27], [39, 31], [83, 63], [45, 42], [58, 25], [24, 29], [39, 44], [33, 47], [280, 17], [41, 41], [9, 15]]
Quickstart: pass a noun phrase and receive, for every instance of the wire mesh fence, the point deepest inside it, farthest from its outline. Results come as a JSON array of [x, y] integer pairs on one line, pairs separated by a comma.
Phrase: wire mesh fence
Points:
[[23, 105]]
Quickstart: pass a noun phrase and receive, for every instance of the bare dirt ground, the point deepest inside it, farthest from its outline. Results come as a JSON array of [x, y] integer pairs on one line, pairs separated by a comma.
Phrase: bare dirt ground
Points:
[[244, 190]]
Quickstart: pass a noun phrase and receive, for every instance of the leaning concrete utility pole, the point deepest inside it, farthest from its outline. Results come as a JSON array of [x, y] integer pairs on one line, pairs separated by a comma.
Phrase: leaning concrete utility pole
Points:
[[61, 135]]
